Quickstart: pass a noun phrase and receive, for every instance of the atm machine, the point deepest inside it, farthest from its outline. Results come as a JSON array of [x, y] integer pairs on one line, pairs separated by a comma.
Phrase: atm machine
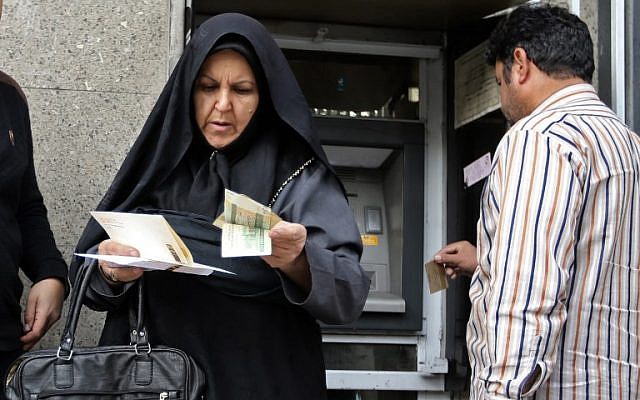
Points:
[[371, 120]]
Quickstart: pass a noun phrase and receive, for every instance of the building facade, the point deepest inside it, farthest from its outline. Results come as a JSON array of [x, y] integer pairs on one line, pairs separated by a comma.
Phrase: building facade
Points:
[[93, 70]]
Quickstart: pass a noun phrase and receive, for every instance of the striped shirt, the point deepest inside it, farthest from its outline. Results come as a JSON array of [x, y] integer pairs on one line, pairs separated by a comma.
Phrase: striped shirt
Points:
[[559, 255]]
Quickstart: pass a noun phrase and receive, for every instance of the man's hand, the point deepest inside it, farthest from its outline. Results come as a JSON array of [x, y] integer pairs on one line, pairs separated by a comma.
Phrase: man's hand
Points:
[[44, 306], [459, 258]]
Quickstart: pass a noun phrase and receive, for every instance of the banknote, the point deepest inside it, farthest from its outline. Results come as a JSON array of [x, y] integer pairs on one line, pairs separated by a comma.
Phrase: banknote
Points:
[[243, 210], [243, 241], [245, 225]]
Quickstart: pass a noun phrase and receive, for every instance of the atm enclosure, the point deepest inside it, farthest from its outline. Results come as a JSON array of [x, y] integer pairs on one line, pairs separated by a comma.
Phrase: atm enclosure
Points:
[[379, 80]]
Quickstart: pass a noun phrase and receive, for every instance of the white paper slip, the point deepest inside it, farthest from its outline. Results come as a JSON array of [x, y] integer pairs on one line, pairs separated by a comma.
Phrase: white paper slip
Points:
[[477, 170], [159, 246], [150, 234], [128, 261]]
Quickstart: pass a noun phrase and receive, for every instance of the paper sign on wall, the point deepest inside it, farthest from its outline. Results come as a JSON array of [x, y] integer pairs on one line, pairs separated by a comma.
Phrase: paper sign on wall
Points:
[[475, 92], [477, 170]]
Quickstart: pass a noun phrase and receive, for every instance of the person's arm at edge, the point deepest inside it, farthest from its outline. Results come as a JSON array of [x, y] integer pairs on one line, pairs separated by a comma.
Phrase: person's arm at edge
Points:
[[41, 260]]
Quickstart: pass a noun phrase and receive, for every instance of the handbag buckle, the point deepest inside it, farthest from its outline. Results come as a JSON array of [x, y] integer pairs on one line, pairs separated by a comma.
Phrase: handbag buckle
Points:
[[148, 346], [61, 357]]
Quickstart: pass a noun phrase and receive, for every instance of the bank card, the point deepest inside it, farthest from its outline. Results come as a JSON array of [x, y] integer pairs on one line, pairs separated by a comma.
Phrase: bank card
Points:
[[436, 277]]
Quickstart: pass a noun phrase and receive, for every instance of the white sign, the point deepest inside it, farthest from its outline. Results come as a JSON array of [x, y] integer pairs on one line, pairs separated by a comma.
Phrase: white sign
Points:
[[476, 92], [477, 170]]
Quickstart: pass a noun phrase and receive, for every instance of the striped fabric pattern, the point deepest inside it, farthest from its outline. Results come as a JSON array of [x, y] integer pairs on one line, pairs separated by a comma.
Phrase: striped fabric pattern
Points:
[[559, 255]]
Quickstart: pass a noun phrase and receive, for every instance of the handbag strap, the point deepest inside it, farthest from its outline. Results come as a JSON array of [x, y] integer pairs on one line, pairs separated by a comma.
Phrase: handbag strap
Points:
[[77, 295], [138, 332]]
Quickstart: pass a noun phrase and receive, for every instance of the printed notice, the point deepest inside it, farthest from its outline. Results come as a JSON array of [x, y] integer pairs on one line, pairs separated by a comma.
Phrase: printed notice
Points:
[[369, 240], [476, 92], [477, 170], [159, 245]]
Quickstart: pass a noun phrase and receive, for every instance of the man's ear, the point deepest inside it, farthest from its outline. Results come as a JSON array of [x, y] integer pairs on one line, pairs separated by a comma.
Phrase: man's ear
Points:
[[521, 65]]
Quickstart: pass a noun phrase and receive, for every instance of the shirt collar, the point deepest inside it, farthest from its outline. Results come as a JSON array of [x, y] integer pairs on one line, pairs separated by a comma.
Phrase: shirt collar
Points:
[[569, 94]]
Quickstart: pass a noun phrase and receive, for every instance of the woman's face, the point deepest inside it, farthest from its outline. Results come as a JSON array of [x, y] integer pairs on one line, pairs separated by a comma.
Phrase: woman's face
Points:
[[225, 97]]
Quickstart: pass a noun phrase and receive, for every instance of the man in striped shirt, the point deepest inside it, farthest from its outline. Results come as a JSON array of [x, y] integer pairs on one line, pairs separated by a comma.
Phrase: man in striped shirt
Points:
[[555, 310]]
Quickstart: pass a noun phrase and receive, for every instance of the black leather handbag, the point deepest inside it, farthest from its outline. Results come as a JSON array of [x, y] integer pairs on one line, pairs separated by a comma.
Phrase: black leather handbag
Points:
[[135, 371]]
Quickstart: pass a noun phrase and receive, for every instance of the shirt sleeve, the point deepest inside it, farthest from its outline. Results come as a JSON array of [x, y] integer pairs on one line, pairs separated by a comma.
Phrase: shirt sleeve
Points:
[[535, 196], [339, 285], [41, 258]]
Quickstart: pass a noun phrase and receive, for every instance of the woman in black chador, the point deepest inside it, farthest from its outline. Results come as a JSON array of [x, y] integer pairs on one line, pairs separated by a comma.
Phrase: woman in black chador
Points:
[[232, 116]]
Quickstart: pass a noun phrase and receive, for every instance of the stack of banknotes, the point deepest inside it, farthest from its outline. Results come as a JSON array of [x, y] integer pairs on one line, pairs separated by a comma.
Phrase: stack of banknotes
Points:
[[245, 225]]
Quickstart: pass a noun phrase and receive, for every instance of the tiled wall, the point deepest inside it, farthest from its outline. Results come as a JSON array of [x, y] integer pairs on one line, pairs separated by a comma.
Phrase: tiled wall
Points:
[[91, 71]]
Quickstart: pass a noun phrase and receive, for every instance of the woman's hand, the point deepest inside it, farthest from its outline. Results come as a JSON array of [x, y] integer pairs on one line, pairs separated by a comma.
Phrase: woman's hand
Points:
[[118, 275], [287, 252], [44, 306], [459, 258]]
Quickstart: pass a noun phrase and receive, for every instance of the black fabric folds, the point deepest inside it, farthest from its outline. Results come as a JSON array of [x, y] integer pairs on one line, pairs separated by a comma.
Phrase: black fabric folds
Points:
[[171, 166], [251, 278], [169, 131]]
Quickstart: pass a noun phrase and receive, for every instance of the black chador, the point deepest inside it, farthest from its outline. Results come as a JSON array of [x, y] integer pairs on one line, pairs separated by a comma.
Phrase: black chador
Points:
[[255, 334]]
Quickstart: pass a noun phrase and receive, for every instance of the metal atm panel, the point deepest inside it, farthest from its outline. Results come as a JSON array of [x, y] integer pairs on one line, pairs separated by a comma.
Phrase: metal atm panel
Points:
[[372, 179], [381, 165]]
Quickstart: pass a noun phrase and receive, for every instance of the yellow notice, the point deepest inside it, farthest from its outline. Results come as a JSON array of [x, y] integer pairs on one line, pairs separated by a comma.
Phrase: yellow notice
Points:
[[436, 277], [369, 240]]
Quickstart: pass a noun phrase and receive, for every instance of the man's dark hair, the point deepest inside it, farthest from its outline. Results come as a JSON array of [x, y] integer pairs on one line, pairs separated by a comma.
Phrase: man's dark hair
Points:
[[555, 40]]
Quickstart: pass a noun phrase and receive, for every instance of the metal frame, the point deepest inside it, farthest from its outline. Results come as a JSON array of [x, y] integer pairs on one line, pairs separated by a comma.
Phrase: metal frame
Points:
[[435, 211], [632, 11], [370, 339], [618, 66], [430, 338], [177, 14], [574, 7], [359, 47], [604, 52], [383, 380]]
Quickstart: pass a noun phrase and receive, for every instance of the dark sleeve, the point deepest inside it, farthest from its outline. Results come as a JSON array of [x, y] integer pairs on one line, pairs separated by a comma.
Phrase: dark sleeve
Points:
[[339, 285], [40, 256]]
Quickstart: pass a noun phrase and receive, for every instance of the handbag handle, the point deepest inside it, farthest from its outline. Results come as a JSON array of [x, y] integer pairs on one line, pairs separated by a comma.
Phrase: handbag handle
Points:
[[77, 295], [138, 331]]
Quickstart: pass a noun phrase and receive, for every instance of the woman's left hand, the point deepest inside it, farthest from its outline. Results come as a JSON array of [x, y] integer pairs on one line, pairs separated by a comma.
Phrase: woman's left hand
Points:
[[287, 252]]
